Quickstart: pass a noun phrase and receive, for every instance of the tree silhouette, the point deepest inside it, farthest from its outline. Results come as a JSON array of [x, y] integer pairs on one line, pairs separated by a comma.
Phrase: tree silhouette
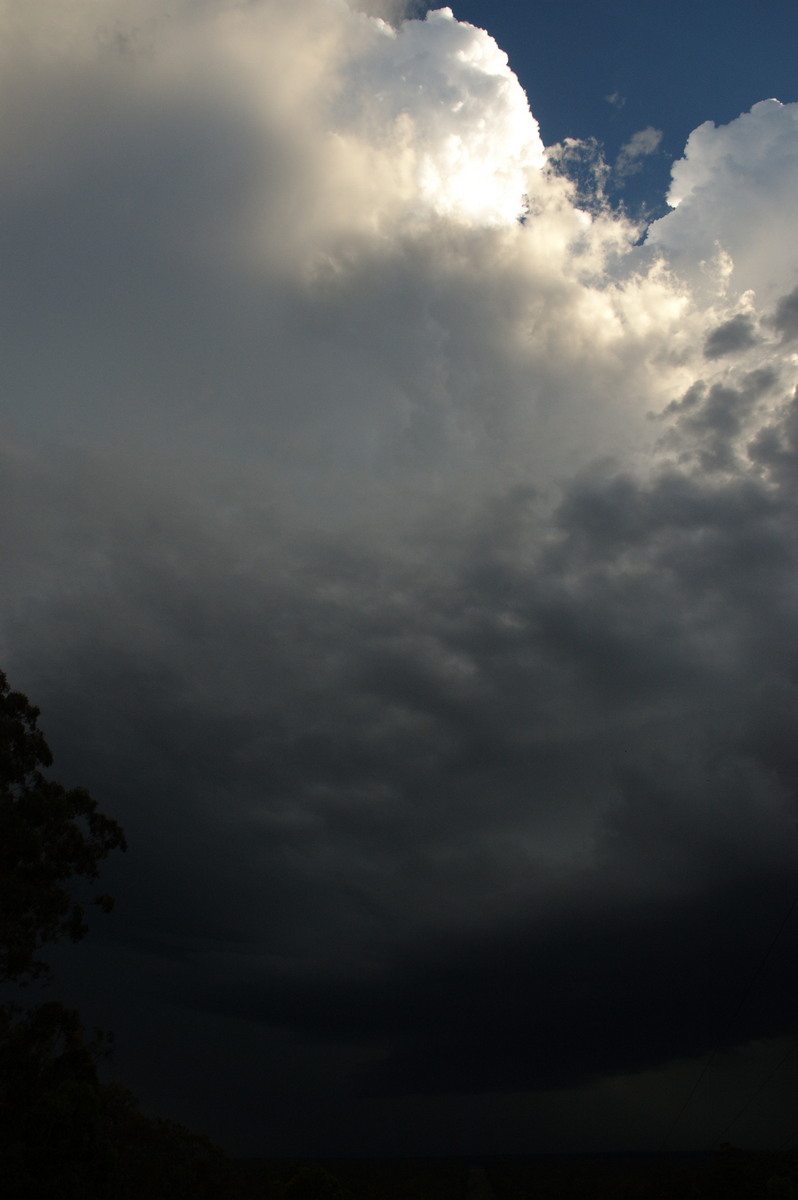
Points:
[[63, 1134], [50, 836], [313, 1182], [51, 840]]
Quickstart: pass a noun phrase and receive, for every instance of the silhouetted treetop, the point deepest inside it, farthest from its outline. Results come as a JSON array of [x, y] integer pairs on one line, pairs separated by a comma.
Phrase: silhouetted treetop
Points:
[[50, 836]]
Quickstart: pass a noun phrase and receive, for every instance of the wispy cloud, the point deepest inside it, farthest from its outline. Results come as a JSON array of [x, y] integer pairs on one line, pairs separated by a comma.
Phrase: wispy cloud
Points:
[[640, 145]]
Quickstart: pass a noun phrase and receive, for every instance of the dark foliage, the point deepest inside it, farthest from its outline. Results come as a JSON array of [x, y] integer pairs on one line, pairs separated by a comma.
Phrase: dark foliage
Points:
[[160, 1159], [50, 836], [313, 1182], [66, 1136], [63, 1134], [53, 1142], [731, 1174]]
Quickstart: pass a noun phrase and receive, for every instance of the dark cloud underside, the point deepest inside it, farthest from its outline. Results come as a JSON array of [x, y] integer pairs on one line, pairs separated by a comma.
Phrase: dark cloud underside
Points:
[[404, 552]]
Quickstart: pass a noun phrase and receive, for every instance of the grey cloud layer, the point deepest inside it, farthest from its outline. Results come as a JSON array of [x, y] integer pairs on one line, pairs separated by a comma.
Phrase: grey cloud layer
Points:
[[444, 694]]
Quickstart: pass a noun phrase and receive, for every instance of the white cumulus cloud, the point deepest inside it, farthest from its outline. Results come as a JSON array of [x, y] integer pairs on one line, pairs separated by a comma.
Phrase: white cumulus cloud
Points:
[[439, 96], [733, 194]]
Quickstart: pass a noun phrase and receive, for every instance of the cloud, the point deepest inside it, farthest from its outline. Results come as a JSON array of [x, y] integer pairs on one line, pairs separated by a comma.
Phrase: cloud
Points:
[[641, 144], [730, 194], [785, 318], [443, 693], [738, 333], [441, 99]]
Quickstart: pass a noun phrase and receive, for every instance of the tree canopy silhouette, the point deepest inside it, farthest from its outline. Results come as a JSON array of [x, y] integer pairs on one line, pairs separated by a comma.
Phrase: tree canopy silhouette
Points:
[[63, 1134], [50, 837]]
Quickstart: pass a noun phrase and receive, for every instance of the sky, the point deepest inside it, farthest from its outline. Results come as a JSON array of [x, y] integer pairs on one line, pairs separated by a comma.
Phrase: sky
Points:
[[400, 471]]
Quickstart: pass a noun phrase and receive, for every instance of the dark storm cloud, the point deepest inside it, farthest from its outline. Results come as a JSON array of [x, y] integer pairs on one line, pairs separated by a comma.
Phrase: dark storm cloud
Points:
[[452, 756], [556, 1003], [715, 417], [495, 815], [659, 625], [785, 318], [739, 333]]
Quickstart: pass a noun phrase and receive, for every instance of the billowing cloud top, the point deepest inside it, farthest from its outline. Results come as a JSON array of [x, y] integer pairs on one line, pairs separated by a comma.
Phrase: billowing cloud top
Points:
[[415, 582], [439, 96], [757, 153]]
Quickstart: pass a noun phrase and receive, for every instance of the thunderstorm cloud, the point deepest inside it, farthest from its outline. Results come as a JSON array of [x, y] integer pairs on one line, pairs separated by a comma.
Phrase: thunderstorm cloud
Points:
[[403, 551]]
